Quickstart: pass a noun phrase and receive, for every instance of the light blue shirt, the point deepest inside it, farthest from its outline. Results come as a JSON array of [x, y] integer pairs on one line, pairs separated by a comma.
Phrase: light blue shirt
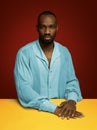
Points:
[[36, 83]]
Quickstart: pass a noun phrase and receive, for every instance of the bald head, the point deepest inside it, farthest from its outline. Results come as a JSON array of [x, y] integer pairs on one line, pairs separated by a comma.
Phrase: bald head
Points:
[[46, 13]]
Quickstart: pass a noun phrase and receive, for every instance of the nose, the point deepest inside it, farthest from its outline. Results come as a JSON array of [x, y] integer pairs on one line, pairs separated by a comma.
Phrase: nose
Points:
[[47, 30]]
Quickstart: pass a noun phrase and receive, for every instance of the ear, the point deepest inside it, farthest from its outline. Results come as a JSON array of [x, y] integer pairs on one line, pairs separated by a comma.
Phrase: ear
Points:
[[57, 28]]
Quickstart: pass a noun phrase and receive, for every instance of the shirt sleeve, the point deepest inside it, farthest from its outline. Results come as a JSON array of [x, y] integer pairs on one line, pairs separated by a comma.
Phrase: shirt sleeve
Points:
[[72, 91], [27, 96]]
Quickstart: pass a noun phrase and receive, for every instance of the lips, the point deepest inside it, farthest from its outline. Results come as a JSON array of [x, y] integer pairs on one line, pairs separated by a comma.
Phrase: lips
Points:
[[47, 37]]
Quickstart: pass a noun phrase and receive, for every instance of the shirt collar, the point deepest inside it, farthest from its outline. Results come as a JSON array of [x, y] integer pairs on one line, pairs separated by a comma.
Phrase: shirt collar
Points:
[[40, 54]]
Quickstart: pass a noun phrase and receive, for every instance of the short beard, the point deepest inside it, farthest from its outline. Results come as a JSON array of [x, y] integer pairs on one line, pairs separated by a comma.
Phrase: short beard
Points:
[[46, 42]]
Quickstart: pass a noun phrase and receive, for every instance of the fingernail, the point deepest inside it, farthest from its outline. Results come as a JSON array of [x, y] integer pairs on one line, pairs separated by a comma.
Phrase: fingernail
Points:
[[62, 118], [59, 114]]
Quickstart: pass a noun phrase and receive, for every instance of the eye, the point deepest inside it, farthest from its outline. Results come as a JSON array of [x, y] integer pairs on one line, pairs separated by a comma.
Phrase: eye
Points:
[[52, 26], [41, 27]]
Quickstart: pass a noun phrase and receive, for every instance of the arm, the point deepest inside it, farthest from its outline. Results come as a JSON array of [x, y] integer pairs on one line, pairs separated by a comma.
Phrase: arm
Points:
[[28, 97], [72, 91]]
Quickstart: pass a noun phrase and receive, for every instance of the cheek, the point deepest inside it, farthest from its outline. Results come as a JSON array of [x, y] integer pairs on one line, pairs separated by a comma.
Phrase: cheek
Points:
[[41, 33], [54, 32]]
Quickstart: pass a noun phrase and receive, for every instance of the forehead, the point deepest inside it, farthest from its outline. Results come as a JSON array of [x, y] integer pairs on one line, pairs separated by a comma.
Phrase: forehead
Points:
[[47, 19]]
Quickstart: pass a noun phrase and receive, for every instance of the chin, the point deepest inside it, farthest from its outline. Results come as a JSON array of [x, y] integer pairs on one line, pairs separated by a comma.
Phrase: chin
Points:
[[48, 42]]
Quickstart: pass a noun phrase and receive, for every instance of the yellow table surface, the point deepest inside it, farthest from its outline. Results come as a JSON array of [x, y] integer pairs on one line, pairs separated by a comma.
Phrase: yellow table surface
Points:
[[14, 117]]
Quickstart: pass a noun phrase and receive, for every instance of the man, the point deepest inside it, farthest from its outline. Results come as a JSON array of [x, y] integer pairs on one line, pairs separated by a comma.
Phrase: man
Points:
[[44, 70]]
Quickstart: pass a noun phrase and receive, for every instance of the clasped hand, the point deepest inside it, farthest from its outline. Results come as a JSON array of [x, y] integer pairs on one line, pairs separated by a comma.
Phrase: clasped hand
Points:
[[67, 109]]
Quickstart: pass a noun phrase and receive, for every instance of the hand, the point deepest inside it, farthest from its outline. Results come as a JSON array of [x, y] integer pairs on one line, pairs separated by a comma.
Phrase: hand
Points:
[[67, 110]]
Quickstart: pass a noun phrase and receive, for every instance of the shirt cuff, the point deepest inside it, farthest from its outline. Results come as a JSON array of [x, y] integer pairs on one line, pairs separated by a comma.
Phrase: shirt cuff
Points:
[[47, 106], [72, 96]]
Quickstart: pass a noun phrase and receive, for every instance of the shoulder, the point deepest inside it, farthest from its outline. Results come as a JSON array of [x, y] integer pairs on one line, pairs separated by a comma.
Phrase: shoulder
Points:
[[64, 52], [28, 46], [62, 49], [27, 49]]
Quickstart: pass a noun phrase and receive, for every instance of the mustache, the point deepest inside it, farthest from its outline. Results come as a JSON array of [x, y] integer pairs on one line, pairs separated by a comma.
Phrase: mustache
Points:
[[47, 35]]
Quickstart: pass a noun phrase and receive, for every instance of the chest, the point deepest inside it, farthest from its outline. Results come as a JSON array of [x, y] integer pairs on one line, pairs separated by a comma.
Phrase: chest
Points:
[[48, 56]]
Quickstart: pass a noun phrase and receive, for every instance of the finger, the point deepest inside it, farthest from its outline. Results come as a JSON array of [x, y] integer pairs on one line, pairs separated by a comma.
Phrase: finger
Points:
[[62, 112], [78, 114], [68, 115], [65, 114], [75, 115], [62, 117], [57, 111], [71, 113], [62, 104]]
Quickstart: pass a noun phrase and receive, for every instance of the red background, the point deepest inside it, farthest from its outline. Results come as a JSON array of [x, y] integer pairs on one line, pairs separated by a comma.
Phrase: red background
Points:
[[77, 30]]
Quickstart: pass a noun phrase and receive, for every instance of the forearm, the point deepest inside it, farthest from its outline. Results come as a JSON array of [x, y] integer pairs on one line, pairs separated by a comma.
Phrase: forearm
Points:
[[30, 98], [72, 91]]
